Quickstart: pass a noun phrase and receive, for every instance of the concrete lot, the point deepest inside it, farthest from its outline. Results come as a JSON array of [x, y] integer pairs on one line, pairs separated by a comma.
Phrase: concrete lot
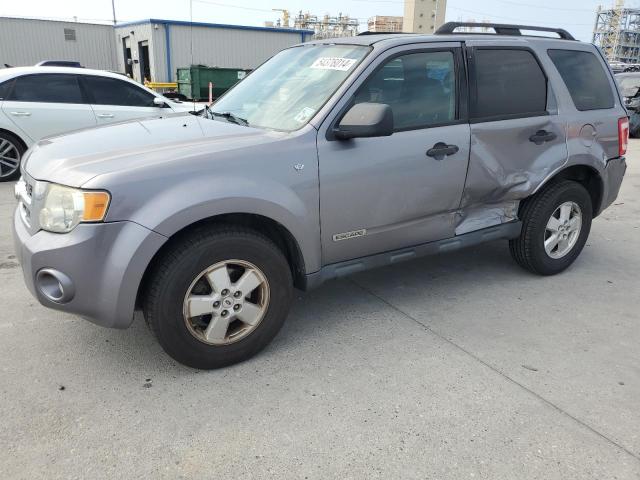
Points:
[[451, 367]]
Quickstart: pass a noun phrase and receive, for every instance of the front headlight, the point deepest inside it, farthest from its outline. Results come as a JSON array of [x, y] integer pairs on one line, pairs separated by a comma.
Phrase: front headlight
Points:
[[64, 208]]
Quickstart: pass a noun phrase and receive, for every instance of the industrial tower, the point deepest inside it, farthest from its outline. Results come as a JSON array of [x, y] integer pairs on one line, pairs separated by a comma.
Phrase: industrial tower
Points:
[[617, 33]]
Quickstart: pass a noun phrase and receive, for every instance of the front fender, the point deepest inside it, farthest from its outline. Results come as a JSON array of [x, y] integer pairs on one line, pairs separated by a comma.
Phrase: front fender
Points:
[[191, 202], [168, 205]]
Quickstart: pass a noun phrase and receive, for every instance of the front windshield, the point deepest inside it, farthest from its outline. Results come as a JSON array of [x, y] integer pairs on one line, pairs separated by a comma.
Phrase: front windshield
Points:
[[630, 84], [287, 91]]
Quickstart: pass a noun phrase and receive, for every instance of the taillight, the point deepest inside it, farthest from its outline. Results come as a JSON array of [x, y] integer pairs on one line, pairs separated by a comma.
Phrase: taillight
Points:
[[623, 135]]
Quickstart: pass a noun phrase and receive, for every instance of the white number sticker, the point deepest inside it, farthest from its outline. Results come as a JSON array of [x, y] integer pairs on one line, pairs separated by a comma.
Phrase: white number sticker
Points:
[[333, 63], [305, 114]]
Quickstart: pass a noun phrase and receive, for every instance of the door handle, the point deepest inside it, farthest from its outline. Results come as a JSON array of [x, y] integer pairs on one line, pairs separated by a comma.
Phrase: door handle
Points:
[[21, 114], [105, 115], [542, 136], [441, 150]]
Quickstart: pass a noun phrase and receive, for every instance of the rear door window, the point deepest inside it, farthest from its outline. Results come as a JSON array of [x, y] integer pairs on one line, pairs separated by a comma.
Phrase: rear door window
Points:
[[47, 88], [585, 78], [111, 91], [509, 83]]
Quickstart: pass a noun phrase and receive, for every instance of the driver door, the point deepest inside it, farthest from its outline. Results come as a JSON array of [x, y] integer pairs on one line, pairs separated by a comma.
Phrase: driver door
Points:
[[387, 193]]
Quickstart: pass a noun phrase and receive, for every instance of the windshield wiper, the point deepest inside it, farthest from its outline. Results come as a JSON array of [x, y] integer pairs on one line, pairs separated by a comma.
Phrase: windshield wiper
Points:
[[229, 117]]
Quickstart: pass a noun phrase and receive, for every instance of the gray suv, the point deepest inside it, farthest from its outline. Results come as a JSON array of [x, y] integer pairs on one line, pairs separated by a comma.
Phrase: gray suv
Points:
[[331, 158]]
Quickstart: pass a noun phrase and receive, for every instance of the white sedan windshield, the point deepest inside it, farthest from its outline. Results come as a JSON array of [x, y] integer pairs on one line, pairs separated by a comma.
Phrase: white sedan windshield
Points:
[[285, 92]]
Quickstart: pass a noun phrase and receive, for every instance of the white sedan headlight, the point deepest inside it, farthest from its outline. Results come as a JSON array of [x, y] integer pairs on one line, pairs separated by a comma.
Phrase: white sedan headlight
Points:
[[63, 208]]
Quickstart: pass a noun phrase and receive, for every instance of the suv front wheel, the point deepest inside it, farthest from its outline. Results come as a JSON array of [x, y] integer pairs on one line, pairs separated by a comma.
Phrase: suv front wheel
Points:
[[218, 296], [555, 226]]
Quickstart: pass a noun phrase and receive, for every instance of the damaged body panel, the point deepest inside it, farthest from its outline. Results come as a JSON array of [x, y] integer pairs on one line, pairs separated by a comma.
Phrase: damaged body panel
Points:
[[505, 167]]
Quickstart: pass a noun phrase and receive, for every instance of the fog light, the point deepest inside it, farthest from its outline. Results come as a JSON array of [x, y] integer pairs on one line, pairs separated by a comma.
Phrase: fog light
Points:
[[55, 286]]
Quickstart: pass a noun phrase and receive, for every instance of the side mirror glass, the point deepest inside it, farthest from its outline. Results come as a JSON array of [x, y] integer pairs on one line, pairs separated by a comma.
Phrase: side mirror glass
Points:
[[365, 120]]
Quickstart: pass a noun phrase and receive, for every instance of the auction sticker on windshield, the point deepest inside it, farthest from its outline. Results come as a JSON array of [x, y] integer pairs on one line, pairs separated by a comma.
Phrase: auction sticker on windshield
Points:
[[333, 63]]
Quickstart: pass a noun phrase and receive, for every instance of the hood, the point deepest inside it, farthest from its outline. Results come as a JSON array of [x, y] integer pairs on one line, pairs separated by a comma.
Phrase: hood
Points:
[[76, 158]]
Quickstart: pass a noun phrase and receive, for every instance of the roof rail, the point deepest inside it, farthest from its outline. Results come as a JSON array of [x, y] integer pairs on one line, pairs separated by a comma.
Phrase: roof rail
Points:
[[502, 29], [380, 33]]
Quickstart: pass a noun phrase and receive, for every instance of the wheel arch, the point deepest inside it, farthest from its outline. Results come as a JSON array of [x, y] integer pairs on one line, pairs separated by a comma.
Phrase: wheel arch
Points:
[[587, 176], [272, 229], [17, 136]]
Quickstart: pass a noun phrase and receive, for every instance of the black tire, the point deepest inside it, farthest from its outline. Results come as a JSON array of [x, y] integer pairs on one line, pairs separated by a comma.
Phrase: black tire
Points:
[[6, 175], [171, 277], [528, 249]]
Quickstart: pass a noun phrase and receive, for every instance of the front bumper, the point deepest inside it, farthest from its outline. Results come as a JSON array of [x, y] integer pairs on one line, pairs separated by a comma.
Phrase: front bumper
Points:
[[104, 261]]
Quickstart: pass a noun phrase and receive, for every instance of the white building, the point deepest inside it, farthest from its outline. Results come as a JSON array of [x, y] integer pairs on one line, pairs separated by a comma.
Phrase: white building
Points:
[[27, 42], [151, 48]]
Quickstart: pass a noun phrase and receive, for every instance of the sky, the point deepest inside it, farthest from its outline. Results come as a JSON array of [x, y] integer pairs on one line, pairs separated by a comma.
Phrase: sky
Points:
[[576, 16]]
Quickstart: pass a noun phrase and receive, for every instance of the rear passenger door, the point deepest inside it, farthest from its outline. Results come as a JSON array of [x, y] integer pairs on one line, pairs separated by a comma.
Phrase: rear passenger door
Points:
[[47, 104], [517, 136], [116, 100]]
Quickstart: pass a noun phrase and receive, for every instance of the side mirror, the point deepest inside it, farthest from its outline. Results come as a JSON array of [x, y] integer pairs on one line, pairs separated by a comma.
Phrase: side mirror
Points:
[[365, 120], [159, 102]]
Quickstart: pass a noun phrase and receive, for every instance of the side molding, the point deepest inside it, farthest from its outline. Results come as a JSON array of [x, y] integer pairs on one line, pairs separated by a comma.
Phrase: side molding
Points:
[[505, 231]]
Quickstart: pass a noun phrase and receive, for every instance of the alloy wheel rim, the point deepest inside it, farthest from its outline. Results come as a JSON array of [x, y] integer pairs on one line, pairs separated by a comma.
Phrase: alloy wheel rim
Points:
[[9, 158], [563, 230], [226, 302]]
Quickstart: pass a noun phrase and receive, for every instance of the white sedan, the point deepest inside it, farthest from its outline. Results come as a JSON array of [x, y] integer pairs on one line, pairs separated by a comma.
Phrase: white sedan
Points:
[[38, 102]]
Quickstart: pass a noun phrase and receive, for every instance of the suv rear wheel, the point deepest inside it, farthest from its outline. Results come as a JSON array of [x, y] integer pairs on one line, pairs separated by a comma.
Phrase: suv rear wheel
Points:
[[11, 151], [555, 226], [218, 296]]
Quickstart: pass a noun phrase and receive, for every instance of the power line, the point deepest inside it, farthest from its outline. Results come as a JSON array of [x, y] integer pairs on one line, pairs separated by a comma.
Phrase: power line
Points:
[[513, 19], [502, 1], [220, 4]]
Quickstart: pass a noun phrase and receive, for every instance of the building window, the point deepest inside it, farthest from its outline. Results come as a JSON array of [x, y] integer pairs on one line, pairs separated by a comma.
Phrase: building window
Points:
[[69, 34]]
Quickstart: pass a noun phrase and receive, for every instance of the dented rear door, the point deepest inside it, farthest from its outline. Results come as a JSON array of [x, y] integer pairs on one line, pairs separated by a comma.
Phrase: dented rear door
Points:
[[518, 137]]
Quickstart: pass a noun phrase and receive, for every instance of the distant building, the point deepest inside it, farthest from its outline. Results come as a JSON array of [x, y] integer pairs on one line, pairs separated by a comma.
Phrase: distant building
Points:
[[155, 48], [326, 26], [424, 16], [27, 42], [381, 23], [617, 33]]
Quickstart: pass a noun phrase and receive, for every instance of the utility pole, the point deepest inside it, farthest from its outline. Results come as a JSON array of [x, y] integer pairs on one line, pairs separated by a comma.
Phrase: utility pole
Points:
[[113, 8]]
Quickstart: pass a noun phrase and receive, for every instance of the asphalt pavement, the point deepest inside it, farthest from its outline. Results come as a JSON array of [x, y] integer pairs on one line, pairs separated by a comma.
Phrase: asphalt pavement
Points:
[[450, 367]]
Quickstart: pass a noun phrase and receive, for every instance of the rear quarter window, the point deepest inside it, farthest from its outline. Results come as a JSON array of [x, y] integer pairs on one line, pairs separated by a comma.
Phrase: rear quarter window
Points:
[[4, 89], [585, 78]]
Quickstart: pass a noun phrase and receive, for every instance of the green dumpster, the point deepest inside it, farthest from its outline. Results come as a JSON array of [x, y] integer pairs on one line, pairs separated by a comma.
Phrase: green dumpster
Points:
[[193, 82]]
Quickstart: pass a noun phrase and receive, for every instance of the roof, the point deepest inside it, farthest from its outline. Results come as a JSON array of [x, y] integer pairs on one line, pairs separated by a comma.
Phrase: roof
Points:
[[403, 38], [17, 71], [55, 20], [214, 25]]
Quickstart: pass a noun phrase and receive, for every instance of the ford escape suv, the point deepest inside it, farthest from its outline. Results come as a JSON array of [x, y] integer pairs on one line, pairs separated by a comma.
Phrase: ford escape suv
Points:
[[333, 157]]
